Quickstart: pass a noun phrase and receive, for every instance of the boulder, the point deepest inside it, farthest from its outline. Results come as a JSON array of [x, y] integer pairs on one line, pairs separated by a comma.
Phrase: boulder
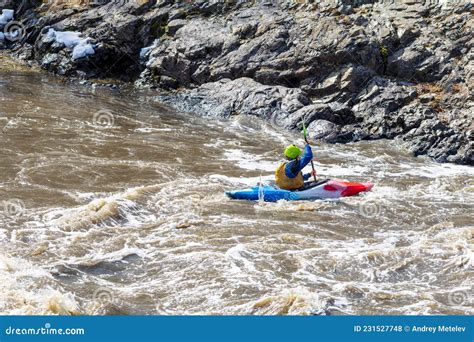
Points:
[[242, 96]]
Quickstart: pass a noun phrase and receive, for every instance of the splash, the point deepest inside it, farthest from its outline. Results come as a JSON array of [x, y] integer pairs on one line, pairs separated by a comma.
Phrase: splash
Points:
[[28, 289], [299, 301]]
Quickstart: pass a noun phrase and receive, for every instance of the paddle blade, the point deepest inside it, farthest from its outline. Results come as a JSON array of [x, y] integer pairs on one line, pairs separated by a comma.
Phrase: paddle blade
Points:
[[305, 132]]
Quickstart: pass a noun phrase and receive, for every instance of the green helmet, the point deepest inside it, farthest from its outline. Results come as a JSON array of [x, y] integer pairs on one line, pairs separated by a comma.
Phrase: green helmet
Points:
[[292, 152]]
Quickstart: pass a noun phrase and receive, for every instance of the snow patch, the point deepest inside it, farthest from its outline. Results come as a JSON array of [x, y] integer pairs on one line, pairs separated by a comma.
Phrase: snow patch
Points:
[[81, 46], [145, 52], [6, 16], [82, 50]]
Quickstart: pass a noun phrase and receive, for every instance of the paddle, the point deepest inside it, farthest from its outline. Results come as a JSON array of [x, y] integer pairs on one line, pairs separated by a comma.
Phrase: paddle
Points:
[[305, 134]]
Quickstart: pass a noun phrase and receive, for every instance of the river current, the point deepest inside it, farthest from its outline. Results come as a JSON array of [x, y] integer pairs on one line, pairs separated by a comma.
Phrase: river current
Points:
[[113, 203]]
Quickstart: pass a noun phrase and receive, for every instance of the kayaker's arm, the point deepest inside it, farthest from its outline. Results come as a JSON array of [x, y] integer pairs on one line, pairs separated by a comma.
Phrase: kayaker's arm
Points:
[[307, 156], [295, 166], [308, 175]]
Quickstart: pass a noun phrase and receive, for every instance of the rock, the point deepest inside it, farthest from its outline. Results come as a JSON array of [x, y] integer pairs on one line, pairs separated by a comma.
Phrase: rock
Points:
[[379, 104], [320, 129], [181, 58], [407, 35], [441, 142], [329, 132], [418, 63], [341, 85], [333, 112], [175, 25], [242, 96]]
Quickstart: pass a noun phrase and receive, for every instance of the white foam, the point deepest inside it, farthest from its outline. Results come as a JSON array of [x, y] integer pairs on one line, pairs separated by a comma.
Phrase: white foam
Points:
[[340, 171], [152, 129], [249, 161], [433, 170], [29, 289], [250, 181], [238, 254], [100, 255]]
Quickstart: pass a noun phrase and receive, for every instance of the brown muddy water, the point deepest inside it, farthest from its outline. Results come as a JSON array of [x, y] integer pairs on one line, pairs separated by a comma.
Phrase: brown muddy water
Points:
[[114, 204]]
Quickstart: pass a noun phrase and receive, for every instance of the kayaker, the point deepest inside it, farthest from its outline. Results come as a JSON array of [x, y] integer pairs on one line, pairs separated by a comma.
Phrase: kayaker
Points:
[[288, 175]]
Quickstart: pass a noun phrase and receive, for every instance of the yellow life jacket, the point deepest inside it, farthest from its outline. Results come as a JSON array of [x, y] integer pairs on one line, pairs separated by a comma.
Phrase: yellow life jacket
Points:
[[286, 183]]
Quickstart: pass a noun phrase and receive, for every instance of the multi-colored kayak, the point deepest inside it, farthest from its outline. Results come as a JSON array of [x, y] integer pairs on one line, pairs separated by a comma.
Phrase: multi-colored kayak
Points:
[[321, 190]]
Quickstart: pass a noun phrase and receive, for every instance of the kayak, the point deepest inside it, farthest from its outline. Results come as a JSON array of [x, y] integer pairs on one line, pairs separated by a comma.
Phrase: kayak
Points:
[[321, 190]]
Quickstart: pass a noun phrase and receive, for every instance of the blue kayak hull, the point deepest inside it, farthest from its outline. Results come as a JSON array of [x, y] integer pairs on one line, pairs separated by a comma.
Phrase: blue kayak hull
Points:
[[323, 190]]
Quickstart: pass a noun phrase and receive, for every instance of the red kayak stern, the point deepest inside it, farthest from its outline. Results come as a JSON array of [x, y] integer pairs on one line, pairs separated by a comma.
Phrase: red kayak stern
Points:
[[347, 188]]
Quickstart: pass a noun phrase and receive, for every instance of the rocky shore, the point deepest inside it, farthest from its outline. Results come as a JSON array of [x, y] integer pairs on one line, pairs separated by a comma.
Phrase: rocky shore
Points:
[[352, 70]]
